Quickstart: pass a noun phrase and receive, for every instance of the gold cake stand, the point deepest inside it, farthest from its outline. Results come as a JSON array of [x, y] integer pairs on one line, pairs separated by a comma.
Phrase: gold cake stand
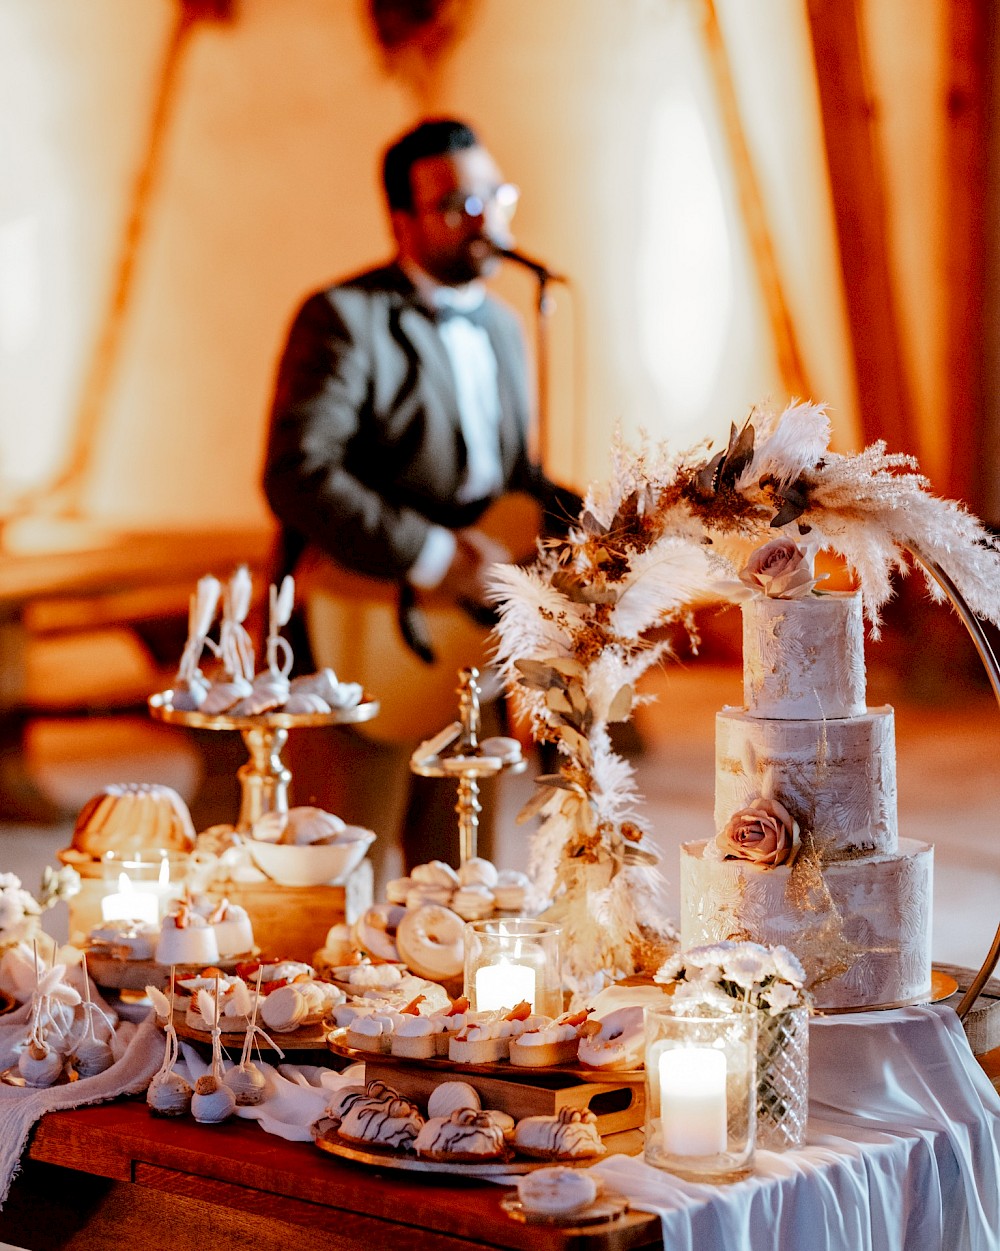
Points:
[[264, 779], [987, 656]]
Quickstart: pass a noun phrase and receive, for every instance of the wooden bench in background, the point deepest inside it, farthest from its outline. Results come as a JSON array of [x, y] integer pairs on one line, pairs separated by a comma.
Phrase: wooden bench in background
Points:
[[92, 619]]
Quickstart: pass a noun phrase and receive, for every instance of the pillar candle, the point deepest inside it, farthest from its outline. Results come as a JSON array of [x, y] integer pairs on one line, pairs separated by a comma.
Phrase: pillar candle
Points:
[[504, 985], [693, 1100]]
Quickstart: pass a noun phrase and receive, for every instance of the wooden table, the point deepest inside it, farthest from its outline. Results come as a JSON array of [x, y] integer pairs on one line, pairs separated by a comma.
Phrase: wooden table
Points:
[[114, 1176]]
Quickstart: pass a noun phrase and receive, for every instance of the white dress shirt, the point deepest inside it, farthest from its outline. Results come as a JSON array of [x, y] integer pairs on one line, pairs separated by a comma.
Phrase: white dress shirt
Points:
[[474, 367]]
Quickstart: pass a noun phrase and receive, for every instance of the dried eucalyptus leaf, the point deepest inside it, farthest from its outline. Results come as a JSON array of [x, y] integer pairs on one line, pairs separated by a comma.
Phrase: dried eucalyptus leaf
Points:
[[566, 665], [590, 524], [621, 706], [577, 744], [556, 700], [535, 674], [639, 855], [535, 804], [579, 592]]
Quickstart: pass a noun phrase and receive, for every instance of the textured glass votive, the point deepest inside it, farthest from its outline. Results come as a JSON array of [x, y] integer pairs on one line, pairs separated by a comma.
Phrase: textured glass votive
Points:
[[700, 1091], [510, 959]]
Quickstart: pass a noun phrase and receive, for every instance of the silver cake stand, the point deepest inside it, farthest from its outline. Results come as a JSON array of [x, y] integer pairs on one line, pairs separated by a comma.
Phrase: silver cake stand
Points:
[[456, 753], [264, 779]]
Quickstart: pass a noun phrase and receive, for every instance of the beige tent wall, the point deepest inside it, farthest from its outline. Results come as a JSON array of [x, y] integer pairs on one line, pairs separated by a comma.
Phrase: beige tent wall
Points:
[[73, 122], [603, 111]]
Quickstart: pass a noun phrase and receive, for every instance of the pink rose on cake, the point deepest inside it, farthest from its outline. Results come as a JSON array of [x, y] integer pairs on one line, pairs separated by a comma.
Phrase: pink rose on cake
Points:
[[780, 570], [764, 833]]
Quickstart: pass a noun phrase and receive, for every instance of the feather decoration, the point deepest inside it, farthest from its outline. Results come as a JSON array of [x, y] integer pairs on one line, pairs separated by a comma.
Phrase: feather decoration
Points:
[[235, 646], [786, 445], [280, 604], [201, 614], [662, 579], [207, 1004], [160, 1002]]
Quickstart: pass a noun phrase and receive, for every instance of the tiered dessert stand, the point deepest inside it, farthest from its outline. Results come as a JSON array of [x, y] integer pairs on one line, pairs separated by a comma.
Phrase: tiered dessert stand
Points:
[[264, 779], [456, 753]]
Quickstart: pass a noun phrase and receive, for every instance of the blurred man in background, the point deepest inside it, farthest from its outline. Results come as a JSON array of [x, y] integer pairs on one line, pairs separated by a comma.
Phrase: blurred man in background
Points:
[[400, 422]]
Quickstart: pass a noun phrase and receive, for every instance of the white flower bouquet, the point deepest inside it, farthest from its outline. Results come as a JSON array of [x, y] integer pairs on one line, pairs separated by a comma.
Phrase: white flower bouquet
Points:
[[733, 976], [19, 912]]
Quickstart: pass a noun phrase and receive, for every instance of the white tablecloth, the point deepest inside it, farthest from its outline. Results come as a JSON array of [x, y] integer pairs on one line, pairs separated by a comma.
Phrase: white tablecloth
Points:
[[902, 1152]]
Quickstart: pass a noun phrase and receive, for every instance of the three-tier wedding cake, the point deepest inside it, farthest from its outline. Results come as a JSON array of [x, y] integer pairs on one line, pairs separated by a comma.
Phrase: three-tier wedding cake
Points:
[[807, 852]]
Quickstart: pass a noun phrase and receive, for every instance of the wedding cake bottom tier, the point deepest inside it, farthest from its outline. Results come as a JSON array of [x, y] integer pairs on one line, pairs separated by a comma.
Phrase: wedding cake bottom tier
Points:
[[861, 928]]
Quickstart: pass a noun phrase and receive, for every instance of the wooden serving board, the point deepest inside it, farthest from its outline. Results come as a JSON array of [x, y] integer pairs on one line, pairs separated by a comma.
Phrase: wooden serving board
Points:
[[502, 1069], [114, 973], [526, 1092], [305, 1038]]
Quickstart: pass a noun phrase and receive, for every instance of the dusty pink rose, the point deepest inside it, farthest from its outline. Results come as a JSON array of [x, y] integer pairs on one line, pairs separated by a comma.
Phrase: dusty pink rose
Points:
[[780, 569], [764, 833]]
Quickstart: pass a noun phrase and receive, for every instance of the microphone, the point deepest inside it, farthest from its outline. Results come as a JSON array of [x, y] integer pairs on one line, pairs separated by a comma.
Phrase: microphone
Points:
[[538, 268]]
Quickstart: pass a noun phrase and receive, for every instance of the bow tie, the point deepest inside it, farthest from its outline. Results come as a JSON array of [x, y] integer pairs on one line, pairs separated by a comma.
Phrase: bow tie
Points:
[[446, 312]]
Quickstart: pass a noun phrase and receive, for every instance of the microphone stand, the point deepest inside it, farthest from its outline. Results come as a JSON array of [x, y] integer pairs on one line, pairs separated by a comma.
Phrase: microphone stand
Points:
[[544, 308]]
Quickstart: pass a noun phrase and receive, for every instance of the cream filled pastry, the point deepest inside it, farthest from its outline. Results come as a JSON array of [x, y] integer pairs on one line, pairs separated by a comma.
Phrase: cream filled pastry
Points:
[[570, 1135], [186, 938], [384, 1119], [463, 1135]]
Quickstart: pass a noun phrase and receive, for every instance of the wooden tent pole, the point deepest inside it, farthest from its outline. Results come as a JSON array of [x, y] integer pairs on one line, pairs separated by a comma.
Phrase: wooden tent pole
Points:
[[793, 373]]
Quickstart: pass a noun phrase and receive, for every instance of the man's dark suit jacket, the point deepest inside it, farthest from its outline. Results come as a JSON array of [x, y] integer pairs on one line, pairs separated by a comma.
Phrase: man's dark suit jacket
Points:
[[366, 449]]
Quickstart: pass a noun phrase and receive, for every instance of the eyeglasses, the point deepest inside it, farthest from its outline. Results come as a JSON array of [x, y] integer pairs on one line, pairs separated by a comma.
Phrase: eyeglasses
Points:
[[459, 206]]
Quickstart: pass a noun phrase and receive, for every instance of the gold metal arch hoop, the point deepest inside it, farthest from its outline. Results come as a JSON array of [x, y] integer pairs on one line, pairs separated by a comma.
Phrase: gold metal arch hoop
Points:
[[986, 655]]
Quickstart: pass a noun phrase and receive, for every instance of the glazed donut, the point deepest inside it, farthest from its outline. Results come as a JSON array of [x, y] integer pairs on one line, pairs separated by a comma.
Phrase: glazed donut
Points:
[[511, 890], [396, 890], [376, 931], [478, 872], [473, 903], [616, 1042], [421, 893], [435, 873], [431, 942]]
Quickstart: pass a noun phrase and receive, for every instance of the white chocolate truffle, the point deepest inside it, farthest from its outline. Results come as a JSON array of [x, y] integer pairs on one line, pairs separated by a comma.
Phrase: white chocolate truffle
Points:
[[212, 1101], [554, 1191]]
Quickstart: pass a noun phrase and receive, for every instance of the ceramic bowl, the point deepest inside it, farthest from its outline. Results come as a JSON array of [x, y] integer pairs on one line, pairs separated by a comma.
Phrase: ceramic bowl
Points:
[[313, 864]]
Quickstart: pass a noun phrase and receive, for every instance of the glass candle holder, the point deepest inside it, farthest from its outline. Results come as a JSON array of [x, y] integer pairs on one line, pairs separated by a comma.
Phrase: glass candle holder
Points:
[[700, 1091], [510, 959], [141, 886]]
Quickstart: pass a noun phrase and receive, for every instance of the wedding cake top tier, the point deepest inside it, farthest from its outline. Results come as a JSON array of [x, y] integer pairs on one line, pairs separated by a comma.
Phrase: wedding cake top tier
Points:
[[804, 659]]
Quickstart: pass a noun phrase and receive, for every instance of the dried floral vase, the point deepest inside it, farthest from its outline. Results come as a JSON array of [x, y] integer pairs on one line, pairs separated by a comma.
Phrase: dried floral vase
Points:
[[782, 1079]]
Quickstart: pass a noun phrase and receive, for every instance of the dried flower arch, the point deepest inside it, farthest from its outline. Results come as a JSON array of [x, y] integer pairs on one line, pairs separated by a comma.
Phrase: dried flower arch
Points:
[[663, 535]]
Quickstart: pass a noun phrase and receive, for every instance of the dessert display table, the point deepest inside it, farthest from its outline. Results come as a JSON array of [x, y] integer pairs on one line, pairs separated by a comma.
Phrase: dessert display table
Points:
[[114, 1175], [903, 1151]]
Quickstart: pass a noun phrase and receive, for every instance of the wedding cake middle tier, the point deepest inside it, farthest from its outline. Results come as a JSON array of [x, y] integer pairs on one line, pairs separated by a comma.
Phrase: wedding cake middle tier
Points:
[[837, 777]]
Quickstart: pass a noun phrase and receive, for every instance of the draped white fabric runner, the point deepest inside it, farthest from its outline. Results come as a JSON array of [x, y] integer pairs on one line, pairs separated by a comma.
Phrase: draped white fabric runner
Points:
[[138, 1052], [902, 1152]]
